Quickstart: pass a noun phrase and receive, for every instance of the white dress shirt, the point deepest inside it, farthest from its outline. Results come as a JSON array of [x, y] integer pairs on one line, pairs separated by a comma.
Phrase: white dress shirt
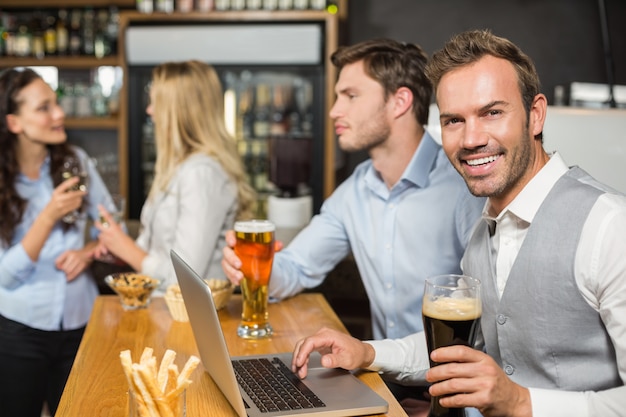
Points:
[[600, 273]]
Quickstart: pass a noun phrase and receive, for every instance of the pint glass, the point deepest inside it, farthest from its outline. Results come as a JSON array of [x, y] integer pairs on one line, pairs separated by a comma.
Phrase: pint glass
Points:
[[451, 311], [255, 249]]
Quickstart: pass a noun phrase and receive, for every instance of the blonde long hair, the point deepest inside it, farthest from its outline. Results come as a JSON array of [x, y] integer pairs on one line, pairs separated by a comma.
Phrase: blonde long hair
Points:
[[188, 114]]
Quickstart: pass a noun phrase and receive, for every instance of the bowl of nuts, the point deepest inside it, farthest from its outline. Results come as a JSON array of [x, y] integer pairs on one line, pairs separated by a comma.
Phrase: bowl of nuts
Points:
[[134, 290]]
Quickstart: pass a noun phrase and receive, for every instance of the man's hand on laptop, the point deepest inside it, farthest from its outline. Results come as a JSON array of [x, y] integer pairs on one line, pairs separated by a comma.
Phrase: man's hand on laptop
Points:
[[231, 264], [338, 350]]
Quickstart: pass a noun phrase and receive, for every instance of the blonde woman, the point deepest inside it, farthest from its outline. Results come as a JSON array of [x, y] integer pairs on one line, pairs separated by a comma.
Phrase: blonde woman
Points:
[[200, 186]]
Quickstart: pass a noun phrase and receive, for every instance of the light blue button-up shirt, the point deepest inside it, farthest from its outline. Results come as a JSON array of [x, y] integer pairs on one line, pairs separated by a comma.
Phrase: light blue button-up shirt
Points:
[[36, 293], [398, 237]]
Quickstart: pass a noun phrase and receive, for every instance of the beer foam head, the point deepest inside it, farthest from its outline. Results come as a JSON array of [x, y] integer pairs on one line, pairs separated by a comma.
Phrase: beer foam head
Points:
[[447, 308], [254, 226]]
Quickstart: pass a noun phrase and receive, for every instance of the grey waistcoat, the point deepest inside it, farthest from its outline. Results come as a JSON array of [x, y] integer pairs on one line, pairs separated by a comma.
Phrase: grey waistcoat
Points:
[[542, 332]]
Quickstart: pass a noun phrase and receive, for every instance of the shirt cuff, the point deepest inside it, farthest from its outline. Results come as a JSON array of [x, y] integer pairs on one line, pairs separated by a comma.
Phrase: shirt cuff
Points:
[[553, 403]]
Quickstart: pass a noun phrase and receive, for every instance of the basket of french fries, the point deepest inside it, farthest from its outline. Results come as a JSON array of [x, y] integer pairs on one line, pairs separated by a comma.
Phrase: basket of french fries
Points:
[[157, 390], [133, 289], [220, 289]]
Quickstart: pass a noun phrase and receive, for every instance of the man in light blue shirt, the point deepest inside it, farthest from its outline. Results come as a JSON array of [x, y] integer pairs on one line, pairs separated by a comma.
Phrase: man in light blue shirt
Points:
[[405, 214]]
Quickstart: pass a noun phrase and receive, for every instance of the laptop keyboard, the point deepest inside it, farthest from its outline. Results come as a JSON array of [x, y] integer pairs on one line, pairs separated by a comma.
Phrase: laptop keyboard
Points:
[[272, 386]]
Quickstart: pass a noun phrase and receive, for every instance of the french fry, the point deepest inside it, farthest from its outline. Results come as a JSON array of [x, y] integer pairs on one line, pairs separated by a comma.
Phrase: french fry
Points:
[[172, 378], [166, 361], [143, 392], [189, 367]]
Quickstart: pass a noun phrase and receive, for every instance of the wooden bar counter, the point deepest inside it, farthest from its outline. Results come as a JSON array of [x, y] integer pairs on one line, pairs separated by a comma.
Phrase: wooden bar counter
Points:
[[97, 386]]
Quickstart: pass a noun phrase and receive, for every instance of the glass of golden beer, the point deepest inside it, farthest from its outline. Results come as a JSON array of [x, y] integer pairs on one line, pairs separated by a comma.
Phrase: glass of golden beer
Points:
[[255, 249], [451, 311]]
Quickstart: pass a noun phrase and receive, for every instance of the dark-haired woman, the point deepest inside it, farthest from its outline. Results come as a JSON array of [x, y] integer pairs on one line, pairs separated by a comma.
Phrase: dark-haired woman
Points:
[[46, 291]]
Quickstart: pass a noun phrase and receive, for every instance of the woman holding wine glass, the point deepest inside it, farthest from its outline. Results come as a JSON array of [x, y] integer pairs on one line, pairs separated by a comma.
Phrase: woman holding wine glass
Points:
[[200, 186], [46, 291]]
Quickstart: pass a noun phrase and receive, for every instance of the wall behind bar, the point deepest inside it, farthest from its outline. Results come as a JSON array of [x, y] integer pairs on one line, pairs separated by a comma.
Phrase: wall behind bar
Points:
[[563, 37]]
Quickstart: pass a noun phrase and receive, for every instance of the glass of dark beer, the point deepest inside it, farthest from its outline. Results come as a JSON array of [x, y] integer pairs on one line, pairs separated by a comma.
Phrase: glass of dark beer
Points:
[[451, 311]]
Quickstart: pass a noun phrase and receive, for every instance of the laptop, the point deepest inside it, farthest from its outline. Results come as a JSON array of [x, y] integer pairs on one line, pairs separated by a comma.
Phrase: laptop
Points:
[[326, 392]]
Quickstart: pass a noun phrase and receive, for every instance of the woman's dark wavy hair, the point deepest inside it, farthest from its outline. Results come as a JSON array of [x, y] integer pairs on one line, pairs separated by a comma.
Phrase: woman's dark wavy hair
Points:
[[12, 206], [393, 65]]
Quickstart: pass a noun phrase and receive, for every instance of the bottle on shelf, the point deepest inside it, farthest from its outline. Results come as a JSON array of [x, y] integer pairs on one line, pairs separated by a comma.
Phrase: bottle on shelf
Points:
[[82, 101], [62, 33], [23, 41], [279, 121], [88, 30], [76, 43], [112, 28], [262, 112], [245, 117], [102, 44], [36, 30], [50, 35]]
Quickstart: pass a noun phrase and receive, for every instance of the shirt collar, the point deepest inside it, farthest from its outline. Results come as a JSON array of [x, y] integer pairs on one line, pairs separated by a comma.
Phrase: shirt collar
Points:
[[527, 202], [44, 171], [417, 171]]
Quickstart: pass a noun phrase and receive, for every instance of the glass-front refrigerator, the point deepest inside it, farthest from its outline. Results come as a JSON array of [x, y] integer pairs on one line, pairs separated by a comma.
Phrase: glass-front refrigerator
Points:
[[273, 80]]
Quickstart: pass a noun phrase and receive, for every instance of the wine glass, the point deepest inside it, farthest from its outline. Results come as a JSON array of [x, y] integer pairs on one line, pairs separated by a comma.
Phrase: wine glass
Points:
[[116, 208], [72, 167]]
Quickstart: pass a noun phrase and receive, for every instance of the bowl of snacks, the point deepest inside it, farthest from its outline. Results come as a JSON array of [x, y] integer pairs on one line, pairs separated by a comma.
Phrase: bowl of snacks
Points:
[[220, 289], [134, 289]]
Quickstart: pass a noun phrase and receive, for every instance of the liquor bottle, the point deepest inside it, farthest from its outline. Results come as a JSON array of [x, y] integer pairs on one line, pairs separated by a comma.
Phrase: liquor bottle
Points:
[[304, 103], [76, 43], [36, 30], [112, 30], [63, 37], [23, 41], [65, 97], [262, 112], [279, 120], [89, 31], [245, 117], [102, 45], [50, 35]]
